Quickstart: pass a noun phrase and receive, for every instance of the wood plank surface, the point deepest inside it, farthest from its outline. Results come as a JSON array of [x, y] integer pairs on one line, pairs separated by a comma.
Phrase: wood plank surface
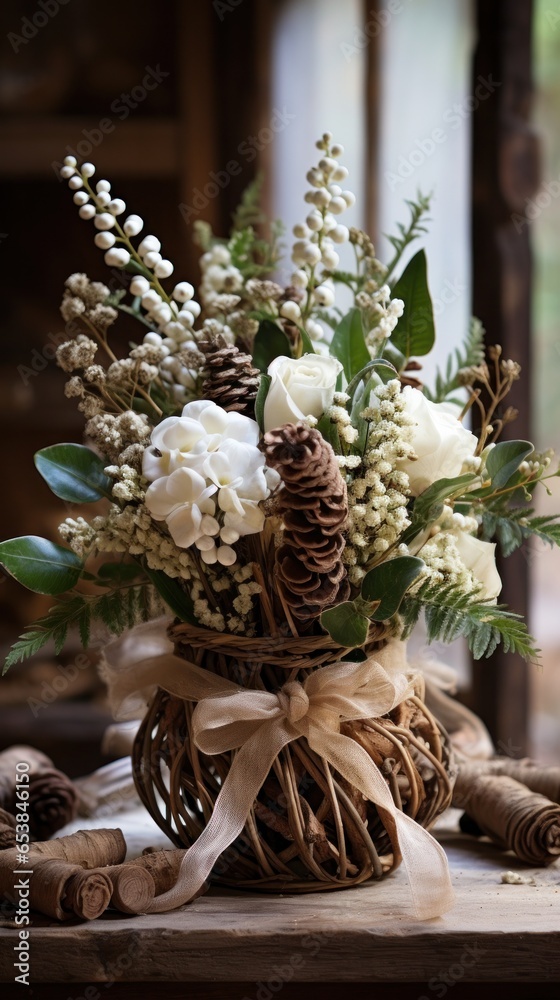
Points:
[[495, 933]]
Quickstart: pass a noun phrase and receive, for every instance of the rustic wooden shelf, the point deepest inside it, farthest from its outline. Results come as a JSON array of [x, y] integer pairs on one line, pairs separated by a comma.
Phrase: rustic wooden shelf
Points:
[[495, 933]]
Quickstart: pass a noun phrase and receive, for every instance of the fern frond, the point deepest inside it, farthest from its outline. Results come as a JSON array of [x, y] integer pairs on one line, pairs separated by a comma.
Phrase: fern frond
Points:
[[450, 613], [471, 353], [249, 211], [116, 609], [406, 234], [511, 527]]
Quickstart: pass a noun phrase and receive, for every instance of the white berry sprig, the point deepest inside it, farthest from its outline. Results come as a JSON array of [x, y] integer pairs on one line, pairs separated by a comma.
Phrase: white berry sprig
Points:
[[172, 317], [317, 237]]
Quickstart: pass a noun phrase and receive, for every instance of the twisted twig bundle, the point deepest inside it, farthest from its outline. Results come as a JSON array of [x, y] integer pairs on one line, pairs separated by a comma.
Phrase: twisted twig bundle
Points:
[[512, 815]]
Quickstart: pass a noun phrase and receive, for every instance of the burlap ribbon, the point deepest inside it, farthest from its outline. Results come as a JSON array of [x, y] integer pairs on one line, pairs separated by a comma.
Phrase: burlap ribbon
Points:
[[258, 724]]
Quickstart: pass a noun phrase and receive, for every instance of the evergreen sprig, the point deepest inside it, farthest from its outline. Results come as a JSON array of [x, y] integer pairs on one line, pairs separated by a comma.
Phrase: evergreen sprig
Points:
[[472, 353], [450, 613], [408, 233], [116, 609], [249, 211], [512, 527]]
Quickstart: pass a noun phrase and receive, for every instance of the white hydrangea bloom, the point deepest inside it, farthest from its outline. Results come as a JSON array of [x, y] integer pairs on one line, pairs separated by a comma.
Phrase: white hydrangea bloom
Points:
[[208, 478]]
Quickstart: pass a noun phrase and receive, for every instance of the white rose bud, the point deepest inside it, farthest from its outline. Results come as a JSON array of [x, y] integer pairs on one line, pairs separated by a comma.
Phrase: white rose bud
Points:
[[300, 387], [440, 442]]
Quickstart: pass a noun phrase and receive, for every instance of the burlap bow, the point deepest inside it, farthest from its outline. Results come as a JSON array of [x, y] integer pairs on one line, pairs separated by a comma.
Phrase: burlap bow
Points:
[[258, 724]]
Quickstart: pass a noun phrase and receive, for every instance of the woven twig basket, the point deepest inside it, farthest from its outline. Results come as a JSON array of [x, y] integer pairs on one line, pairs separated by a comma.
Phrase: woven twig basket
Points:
[[309, 829]]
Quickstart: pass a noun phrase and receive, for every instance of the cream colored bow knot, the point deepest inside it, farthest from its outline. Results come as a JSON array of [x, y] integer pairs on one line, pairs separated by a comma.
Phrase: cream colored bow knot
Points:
[[258, 724]]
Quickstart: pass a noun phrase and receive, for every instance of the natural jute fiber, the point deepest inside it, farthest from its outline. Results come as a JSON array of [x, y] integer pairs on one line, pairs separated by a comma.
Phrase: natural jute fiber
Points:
[[286, 768]]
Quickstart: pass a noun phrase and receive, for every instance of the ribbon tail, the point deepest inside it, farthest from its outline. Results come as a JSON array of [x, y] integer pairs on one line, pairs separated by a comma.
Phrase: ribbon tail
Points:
[[424, 859], [246, 776]]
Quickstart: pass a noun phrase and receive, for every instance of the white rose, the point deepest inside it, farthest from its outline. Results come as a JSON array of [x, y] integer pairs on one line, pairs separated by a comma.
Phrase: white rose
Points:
[[300, 387], [480, 558], [441, 443]]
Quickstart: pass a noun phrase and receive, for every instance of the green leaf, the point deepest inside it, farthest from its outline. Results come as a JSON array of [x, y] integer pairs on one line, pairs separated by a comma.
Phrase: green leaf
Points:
[[306, 342], [345, 625], [504, 459], [262, 393], [379, 367], [329, 431], [348, 344], [388, 583], [428, 505], [40, 565], [119, 572], [74, 473], [173, 594], [270, 342], [415, 332]]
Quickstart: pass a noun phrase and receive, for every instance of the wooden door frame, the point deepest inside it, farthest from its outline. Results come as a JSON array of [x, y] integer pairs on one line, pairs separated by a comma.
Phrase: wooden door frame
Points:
[[505, 172]]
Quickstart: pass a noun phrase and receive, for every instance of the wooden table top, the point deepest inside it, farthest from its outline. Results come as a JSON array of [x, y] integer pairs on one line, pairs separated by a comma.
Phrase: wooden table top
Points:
[[495, 932]]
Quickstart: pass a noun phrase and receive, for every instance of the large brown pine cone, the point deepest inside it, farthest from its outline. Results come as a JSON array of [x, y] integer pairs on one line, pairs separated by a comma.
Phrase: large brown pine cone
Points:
[[314, 507]]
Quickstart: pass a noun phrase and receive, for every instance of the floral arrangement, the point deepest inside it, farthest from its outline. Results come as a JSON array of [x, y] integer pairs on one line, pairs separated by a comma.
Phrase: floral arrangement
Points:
[[270, 464]]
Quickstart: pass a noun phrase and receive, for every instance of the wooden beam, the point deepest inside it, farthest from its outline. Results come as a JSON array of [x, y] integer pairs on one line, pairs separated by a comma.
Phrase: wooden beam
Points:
[[148, 147], [505, 171], [372, 103]]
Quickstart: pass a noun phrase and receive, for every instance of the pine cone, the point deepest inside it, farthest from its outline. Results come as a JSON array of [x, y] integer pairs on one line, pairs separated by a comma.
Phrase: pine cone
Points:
[[229, 378], [313, 503]]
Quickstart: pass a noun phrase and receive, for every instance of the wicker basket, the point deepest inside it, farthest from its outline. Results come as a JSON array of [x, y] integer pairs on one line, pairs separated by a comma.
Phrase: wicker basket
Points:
[[309, 829]]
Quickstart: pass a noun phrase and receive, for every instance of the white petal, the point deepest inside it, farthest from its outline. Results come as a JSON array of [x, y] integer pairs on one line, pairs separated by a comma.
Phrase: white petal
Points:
[[185, 486], [228, 500], [184, 525]]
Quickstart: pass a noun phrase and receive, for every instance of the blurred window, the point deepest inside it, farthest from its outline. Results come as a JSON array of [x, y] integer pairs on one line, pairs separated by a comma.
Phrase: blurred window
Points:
[[543, 215]]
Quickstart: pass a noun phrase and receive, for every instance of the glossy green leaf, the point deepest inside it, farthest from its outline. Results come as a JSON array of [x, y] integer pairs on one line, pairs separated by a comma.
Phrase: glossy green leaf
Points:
[[348, 344], [415, 332], [40, 565], [270, 342], [173, 594], [306, 342], [329, 431], [345, 625], [119, 572], [380, 369], [388, 583], [262, 393], [504, 460], [74, 473], [429, 504]]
